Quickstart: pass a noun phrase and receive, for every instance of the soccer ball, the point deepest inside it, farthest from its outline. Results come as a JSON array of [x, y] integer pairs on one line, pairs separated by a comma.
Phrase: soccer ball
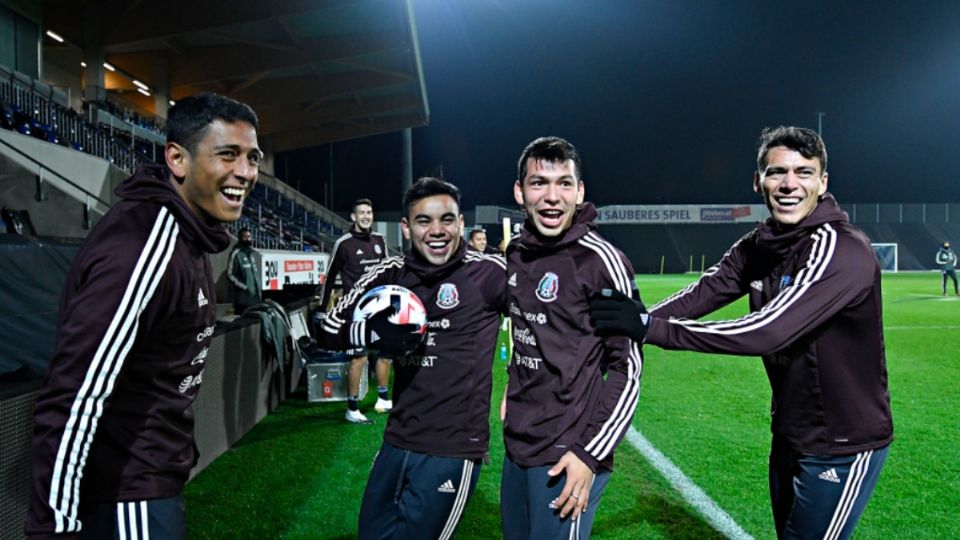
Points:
[[409, 308]]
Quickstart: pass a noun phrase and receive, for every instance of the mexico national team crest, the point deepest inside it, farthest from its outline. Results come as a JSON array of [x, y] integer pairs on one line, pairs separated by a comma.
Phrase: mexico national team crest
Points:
[[449, 296], [548, 287]]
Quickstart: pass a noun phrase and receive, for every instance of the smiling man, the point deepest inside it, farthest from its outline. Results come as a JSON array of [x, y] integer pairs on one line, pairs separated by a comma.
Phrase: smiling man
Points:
[[477, 240], [816, 319], [354, 254], [438, 432], [113, 439], [563, 417]]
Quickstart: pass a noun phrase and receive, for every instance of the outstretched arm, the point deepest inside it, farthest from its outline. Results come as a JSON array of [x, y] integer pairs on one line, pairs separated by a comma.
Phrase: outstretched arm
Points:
[[826, 284]]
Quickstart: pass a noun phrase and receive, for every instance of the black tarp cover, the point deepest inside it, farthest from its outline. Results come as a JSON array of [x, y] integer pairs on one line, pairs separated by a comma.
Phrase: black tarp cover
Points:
[[32, 274]]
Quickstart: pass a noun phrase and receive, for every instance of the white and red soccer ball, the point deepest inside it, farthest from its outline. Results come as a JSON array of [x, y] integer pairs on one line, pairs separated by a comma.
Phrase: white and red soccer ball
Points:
[[409, 309]]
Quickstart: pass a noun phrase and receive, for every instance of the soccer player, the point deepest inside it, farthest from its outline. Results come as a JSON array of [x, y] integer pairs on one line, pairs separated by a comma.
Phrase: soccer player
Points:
[[113, 440], [355, 253], [242, 271], [438, 432], [563, 419], [478, 240], [816, 319], [947, 261]]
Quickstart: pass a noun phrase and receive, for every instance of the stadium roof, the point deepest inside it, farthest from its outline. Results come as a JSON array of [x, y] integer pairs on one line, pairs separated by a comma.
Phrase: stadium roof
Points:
[[316, 71]]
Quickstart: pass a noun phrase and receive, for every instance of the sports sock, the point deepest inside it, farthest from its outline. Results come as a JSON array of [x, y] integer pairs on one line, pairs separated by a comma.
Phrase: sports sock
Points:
[[383, 392], [352, 403]]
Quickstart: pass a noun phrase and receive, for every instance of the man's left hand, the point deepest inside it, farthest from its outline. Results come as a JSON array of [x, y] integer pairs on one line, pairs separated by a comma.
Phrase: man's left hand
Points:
[[575, 495], [613, 312]]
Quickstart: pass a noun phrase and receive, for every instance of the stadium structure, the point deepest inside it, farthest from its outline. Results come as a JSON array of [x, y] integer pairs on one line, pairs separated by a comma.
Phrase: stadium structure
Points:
[[84, 89]]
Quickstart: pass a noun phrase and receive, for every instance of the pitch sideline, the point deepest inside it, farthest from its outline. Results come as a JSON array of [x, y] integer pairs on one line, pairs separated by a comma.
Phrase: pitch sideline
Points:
[[718, 519]]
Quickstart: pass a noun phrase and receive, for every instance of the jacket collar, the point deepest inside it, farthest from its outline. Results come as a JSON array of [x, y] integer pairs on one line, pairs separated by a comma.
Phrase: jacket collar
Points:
[[431, 273], [584, 221]]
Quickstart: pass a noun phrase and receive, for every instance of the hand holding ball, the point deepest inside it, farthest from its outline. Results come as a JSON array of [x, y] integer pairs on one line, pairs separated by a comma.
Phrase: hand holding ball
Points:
[[389, 318]]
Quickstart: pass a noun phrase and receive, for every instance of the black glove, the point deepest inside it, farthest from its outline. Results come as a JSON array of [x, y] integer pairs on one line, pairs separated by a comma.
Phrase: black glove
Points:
[[613, 312], [379, 333]]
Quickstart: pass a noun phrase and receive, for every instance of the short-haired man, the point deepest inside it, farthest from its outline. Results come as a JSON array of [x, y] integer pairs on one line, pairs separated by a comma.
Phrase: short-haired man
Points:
[[242, 272], [816, 318], [563, 417], [947, 261], [438, 431], [113, 441], [354, 254], [477, 241]]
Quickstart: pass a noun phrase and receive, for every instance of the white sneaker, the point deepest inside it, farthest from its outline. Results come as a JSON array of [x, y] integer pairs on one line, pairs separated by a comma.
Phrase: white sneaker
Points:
[[357, 417], [383, 405]]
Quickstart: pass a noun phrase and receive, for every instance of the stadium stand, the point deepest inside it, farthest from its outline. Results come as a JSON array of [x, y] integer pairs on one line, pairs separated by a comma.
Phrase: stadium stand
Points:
[[279, 217], [280, 222], [31, 107]]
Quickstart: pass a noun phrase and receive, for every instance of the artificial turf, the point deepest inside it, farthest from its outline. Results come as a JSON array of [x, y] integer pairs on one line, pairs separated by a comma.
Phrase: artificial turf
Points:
[[301, 472]]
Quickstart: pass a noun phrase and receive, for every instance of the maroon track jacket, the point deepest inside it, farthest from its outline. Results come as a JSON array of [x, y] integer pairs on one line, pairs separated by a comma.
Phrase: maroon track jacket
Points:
[[353, 255], [558, 399], [441, 393], [816, 318], [114, 419]]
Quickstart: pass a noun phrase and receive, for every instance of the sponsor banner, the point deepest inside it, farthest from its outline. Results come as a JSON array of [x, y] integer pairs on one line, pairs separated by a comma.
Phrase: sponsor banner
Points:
[[682, 213], [279, 268]]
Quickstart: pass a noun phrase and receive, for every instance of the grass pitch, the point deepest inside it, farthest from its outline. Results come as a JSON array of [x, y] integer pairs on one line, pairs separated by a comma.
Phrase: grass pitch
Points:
[[301, 472]]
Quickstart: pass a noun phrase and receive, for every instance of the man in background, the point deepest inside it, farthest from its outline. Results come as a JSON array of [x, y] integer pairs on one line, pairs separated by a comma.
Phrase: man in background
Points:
[[947, 261], [242, 271], [478, 240], [354, 254]]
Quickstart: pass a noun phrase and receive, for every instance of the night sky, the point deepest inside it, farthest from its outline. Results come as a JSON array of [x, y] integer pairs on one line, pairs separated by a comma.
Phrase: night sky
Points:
[[665, 99]]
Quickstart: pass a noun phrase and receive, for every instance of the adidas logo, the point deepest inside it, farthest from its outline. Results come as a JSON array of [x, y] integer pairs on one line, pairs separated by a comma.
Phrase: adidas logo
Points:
[[374, 337], [513, 280], [446, 487], [758, 285], [359, 252], [201, 299], [830, 475]]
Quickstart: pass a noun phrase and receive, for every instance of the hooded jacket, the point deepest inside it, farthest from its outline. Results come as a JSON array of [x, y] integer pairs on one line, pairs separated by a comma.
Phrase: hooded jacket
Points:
[[242, 269], [816, 319], [441, 392], [354, 254], [557, 398], [114, 420]]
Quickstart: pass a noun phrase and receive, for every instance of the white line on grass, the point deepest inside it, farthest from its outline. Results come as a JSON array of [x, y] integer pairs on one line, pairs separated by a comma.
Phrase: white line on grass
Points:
[[718, 519], [923, 327]]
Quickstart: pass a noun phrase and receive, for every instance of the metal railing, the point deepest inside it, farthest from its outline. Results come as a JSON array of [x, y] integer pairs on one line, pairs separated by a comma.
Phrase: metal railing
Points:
[[71, 129]]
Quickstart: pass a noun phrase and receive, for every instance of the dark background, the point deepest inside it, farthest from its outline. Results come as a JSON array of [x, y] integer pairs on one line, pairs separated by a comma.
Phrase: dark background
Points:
[[665, 99]]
